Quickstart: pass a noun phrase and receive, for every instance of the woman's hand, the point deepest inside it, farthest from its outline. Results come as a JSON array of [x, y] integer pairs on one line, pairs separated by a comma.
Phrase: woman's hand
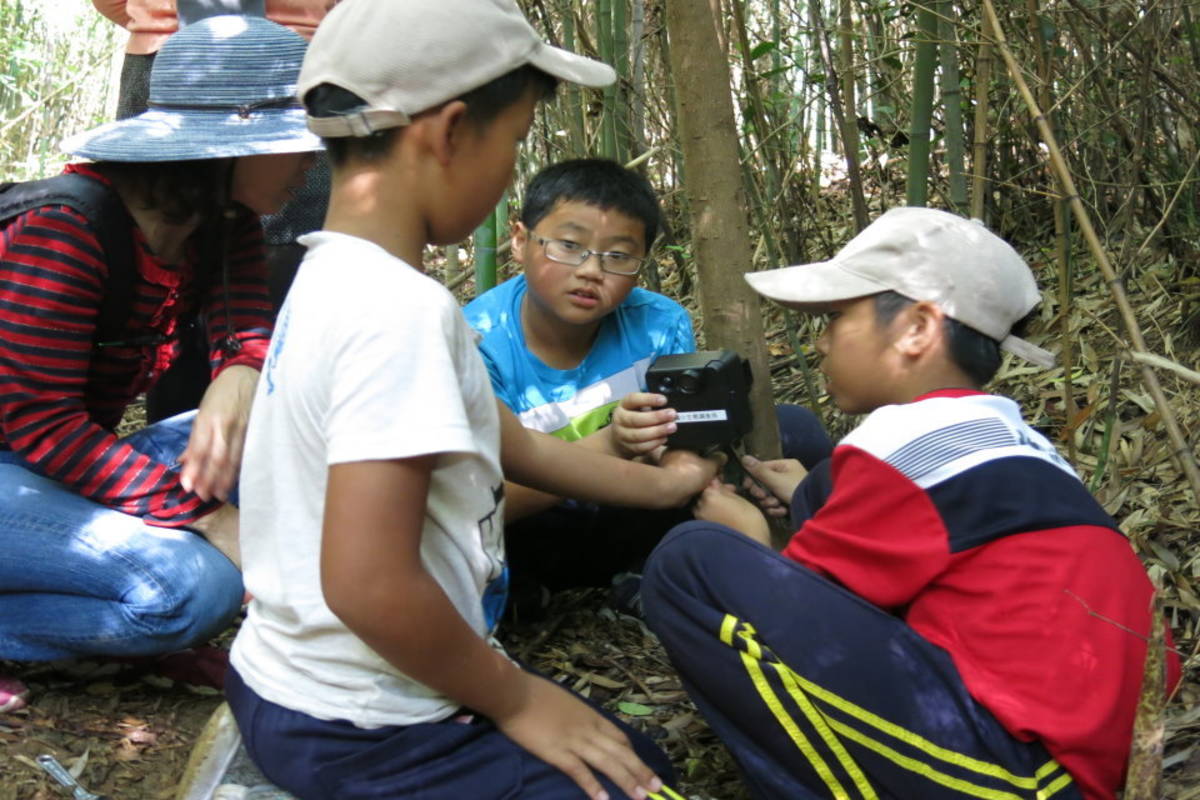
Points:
[[213, 456]]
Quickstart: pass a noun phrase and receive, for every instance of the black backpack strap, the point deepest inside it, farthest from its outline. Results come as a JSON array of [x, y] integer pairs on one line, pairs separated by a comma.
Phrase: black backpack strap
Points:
[[109, 220]]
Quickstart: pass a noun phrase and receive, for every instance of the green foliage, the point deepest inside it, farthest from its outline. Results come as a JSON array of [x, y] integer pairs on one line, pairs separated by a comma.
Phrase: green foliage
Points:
[[762, 48], [56, 60]]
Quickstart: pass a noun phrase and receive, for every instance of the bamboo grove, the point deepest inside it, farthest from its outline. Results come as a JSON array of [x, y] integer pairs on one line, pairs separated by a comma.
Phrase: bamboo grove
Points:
[[1069, 126], [849, 107]]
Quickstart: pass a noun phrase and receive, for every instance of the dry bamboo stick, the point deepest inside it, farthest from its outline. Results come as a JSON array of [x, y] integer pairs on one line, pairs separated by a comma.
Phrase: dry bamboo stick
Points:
[[1155, 360], [1183, 452], [1144, 774]]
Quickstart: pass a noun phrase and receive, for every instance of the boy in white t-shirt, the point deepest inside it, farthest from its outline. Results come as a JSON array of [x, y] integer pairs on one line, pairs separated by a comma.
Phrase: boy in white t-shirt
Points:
[[372, 489]]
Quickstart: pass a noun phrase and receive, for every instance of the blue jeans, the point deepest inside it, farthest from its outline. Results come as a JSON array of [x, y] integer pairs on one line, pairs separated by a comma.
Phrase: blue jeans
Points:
[[81, 579]]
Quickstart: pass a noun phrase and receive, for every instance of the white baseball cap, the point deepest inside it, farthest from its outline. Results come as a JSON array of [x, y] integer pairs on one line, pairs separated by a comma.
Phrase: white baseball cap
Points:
[[923, 254], [406, 56]]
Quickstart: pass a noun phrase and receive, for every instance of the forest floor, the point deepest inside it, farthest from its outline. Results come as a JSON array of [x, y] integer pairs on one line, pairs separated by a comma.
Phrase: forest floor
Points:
[[128, 733]]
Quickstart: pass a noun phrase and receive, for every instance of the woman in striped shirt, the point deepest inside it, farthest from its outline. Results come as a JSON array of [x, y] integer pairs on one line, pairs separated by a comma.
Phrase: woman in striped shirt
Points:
[[128, 546]]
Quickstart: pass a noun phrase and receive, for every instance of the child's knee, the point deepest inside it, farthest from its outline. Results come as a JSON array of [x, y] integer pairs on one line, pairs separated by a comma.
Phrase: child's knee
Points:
[[690, 554], [802, 435]]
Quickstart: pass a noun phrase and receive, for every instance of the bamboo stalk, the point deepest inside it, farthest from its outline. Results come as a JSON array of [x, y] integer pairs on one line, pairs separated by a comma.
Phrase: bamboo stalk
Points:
[[816, 59], [1108, 442], [1182, 452], [857, 198], [573, 104], [983, 78], [917, 188], [604, 43], [1144, 775], [952, 104], [1062, 251], [1156, 360], [620, 54], [637, 78], [758, 113], [485, 255], [846, 70]]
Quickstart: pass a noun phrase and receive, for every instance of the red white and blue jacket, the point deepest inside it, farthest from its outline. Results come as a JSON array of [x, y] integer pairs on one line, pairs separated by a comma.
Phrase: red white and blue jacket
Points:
[[954, 514]]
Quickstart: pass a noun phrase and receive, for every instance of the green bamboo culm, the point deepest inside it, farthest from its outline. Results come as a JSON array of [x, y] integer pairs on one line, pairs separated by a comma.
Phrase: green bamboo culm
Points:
[[605, 44], [485, 255], [622, 132], [502, 230], [952, 100], [573, 103], [917, 191]]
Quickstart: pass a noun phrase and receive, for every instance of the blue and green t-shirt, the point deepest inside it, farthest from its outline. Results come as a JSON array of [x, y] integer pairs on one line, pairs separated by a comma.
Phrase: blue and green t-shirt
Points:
[[572, 403]]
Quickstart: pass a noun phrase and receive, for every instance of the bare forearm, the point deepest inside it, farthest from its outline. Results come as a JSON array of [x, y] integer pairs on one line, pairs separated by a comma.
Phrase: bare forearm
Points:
[[569, 471], [521, 501]]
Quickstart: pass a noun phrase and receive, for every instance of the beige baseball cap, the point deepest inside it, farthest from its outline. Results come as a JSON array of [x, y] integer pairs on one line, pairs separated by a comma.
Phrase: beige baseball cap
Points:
[[923, 254], [405, 56]]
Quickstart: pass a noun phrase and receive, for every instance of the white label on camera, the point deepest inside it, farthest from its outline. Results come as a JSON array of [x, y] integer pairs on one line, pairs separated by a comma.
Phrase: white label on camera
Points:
[[715, 415]]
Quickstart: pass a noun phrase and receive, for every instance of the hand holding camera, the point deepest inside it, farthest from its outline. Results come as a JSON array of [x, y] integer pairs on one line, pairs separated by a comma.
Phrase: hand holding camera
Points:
[[641, 424]]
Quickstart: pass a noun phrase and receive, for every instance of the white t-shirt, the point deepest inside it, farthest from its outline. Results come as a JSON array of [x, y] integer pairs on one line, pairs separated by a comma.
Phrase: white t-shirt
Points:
[[370, 360]]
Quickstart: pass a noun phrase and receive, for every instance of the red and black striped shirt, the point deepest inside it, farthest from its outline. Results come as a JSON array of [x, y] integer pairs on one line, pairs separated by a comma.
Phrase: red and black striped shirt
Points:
[[61, 397]]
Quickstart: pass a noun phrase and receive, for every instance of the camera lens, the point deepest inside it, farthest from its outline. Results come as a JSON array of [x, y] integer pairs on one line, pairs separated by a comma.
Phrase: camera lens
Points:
[[689, 382]]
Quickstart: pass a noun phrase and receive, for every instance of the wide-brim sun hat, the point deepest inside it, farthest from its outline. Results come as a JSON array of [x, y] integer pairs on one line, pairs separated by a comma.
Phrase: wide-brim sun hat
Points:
[[924, 254], [402, 58], [222, 87]]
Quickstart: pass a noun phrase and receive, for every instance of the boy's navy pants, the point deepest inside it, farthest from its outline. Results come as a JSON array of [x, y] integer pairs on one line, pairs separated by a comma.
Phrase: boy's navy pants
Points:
[[318, 759], [818, 693]]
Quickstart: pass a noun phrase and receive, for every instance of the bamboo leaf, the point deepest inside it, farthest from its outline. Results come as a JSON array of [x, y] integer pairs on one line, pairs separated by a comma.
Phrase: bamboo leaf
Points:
[[762, 48]]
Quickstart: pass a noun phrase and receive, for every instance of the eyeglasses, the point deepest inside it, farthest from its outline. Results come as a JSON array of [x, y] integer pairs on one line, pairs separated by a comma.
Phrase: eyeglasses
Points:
[[571, 253]]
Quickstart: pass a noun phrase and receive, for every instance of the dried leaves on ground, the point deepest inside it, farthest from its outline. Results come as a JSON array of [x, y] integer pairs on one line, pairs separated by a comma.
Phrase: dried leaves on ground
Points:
[[127, 734]]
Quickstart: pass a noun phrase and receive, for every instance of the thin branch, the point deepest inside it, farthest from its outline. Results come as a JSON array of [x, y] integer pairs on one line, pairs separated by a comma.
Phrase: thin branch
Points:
[[1183, 452]]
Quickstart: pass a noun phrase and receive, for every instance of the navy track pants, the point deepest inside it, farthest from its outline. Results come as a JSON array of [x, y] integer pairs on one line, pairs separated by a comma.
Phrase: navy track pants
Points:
[[820, 694], [318, 759]]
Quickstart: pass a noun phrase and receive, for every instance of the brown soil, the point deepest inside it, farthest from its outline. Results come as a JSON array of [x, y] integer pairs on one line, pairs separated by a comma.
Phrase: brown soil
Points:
[[129, 733]]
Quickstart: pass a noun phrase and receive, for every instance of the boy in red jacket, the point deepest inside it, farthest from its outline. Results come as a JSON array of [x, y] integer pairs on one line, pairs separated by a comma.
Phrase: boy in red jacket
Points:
[[955, 616]]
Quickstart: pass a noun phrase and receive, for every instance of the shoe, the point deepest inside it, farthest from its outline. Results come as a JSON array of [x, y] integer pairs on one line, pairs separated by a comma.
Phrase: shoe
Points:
[[12, 694], [625, 594]]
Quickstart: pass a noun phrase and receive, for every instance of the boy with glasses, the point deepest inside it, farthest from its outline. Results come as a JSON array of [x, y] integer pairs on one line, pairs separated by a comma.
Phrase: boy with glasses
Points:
[[566, 345]]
